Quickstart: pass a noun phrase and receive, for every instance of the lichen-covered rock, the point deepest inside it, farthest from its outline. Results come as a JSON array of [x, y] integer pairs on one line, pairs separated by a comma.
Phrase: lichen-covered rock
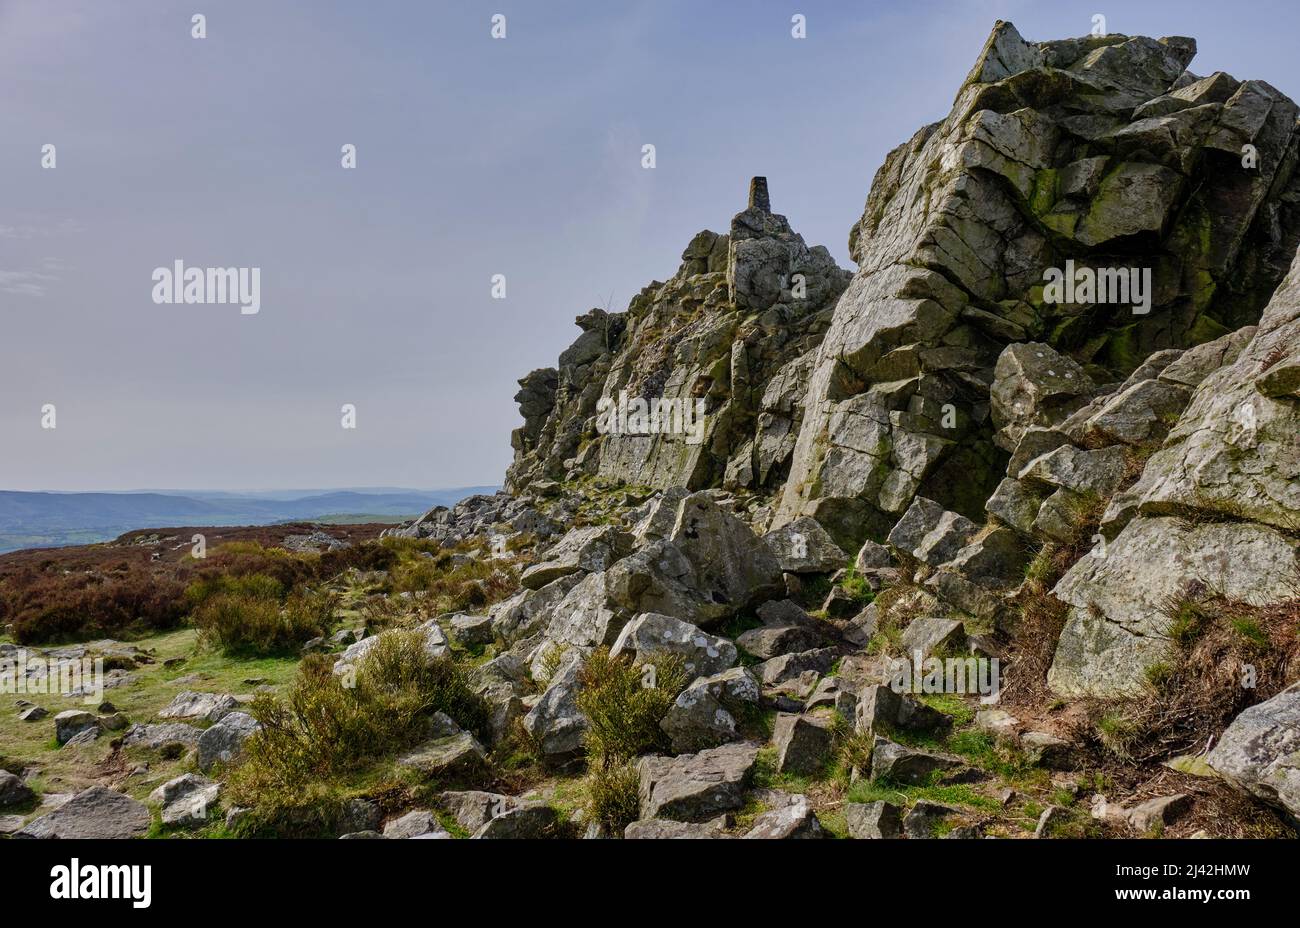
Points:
[[555, 723], [417, 824], [695, 787], [788, 816], [651, 634], [1260, 751], [1118, 594], [1042, 160], [528, 820], [703, 715], [1034, 386]]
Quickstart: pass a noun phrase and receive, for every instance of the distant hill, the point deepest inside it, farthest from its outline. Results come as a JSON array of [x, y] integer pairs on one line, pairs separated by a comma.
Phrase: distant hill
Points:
[[30, 520]]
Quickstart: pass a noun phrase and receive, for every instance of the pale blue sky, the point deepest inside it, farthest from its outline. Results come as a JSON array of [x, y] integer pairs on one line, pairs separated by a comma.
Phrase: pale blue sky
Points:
[[476, 157]]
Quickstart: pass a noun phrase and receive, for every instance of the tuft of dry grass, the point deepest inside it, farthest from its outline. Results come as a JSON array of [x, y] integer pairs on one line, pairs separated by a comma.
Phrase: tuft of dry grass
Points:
[[1227, 656]]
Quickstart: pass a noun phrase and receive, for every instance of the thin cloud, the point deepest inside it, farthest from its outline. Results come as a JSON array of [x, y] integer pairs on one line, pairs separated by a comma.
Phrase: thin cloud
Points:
[[25, 283]]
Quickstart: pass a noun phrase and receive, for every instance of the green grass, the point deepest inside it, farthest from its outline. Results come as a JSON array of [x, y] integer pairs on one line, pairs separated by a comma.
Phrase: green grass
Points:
[[152, 687], [958, 795]]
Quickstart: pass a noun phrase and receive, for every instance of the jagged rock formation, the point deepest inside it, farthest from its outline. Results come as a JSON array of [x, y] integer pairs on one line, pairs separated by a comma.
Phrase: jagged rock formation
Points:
[[956, 426], [1105, 152], [1218, 504], [952, 375], [728, 331]]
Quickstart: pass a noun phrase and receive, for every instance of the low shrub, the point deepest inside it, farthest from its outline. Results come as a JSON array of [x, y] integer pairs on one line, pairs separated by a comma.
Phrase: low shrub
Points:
[[624, 703], [323, 731], [257, 622], [613, 795]]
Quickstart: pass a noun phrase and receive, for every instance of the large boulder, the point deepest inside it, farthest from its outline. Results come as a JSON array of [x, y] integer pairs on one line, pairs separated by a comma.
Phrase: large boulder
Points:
[[555, 723], [704, 714], [1034, 385], [73, 722], [1259, 753], [1118, 594], [732, 565], [651, 634], [224, 741], [995, 254], [695, 787], [804, 547]]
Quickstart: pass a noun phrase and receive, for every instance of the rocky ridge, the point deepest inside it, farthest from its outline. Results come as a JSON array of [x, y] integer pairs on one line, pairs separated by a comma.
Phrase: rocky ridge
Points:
[[943, 406]]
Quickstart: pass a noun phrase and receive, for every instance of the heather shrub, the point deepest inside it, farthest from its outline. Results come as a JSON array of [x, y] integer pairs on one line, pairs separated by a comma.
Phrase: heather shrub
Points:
[[51, 606]]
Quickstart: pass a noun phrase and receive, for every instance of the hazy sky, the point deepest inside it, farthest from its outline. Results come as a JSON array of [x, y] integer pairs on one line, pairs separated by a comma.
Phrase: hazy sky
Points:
[[475, 157]]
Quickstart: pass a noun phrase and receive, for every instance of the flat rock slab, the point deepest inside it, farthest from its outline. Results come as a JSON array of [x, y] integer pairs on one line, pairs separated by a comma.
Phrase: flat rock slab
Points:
[[209, 707], [667, 829], [455, 754], [98, 812], [694, 787]]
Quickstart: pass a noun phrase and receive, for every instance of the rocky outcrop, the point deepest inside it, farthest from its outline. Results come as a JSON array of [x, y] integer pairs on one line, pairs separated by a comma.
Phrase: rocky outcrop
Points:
[[1105, 152], [1218, 504], [703, 374]]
